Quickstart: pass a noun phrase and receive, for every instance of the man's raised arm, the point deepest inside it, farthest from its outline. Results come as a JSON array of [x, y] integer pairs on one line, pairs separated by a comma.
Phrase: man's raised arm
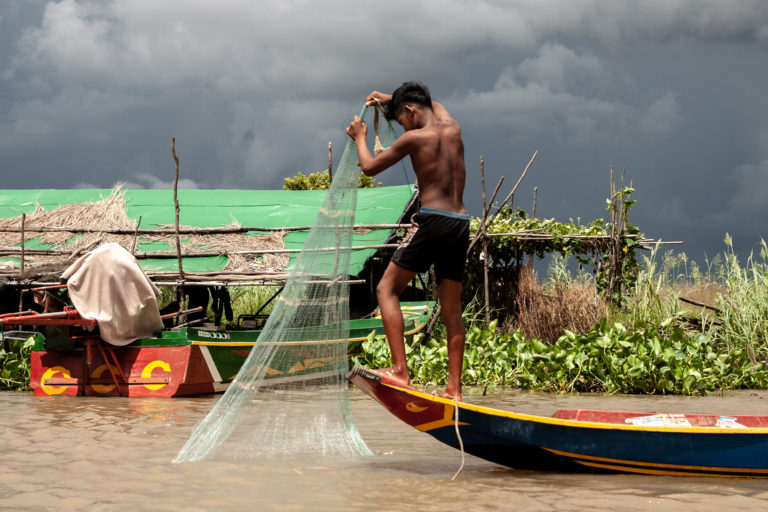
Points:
[[379, 98], [370, 165]]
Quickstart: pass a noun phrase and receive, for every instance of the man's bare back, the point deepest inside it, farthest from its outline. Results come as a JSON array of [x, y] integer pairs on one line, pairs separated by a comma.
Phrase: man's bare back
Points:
[[433, 141], [439, 165]]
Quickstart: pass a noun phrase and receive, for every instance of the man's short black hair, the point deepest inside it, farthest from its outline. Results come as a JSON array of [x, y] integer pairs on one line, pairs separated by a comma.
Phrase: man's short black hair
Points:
[[409, 93]]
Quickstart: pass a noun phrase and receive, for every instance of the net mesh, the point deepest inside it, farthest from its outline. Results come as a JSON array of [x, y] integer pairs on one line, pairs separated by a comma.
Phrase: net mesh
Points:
[[290, 396]]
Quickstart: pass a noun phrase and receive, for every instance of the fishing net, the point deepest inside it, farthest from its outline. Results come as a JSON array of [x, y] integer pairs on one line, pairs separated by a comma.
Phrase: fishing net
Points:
[[290, 396]]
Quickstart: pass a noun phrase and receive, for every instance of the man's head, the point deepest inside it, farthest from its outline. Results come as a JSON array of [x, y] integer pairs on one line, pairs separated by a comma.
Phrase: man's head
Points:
[[410, 93]]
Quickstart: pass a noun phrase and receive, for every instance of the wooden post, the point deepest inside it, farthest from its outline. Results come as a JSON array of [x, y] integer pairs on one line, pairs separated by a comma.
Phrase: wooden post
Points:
[[533, 216], [614, 265], [135, 236], [485, 247], [623, 218], [178, 240], [23, 222], [23, 234], [613, 203], [619, 254], [330, 164]]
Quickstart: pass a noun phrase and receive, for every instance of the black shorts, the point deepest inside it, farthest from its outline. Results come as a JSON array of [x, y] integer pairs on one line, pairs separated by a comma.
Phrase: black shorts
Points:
[[438, 237]]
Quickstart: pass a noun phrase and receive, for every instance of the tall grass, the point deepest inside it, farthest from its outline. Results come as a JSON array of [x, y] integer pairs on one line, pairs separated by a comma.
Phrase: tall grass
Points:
[[744, 306], [247, 300], [736, 291], [562, 303], [654, 300]]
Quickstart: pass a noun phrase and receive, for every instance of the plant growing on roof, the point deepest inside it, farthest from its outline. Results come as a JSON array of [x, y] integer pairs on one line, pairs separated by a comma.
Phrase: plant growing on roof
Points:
[[321, 180]]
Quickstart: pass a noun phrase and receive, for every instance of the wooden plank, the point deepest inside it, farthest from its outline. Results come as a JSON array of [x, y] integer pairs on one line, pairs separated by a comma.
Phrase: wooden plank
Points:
[[61, 381]]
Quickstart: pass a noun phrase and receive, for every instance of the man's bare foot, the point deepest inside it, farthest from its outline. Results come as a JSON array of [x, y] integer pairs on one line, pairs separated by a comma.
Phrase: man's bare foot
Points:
[[391, 376], [451, 395]]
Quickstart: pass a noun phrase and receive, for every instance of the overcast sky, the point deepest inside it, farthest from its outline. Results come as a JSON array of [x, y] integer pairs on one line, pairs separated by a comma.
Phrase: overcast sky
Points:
[[675, 91]]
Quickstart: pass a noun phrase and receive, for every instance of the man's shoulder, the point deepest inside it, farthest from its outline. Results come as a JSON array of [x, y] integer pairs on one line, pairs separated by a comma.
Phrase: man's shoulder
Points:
[[421, 134], [450, 123]]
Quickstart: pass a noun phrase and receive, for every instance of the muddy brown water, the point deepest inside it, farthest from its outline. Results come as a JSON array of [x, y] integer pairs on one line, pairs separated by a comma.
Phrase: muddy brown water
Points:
[[90, 453]]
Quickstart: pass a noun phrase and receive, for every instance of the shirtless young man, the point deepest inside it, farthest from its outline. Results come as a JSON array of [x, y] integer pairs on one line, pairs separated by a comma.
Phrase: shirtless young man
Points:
[[432, 139]]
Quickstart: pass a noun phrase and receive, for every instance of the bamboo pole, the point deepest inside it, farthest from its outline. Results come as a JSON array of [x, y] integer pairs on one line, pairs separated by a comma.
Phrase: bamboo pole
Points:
[[532, 235], [495, 191], [484, 226], [330, 164], [193, 254], [178, 239], [522, 235], [188, 231]]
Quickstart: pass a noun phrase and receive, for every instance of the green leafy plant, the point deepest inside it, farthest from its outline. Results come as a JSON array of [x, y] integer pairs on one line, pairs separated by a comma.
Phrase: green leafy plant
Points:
[[15, 362], [617, 267], [321, 180]]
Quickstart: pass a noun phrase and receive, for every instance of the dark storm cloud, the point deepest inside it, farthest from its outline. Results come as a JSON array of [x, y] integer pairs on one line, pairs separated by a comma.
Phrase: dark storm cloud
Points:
[[92, 91]]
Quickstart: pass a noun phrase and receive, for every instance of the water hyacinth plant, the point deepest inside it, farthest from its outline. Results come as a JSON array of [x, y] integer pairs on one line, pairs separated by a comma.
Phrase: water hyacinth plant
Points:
[[14, 363], [608, 358]]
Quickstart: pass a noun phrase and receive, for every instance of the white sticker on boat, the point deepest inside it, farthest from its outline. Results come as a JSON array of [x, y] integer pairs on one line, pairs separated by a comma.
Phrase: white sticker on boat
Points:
[[214, 335], [660, 420]]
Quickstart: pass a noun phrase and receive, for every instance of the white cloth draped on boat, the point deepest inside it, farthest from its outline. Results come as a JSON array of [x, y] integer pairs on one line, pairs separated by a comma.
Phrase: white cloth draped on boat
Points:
[[109, 286]]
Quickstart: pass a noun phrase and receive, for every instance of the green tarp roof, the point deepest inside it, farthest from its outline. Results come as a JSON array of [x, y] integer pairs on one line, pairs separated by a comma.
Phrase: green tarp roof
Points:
[[219, 208]]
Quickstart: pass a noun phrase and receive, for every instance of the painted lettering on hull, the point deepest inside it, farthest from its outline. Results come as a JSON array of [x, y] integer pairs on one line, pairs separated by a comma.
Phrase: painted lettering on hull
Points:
[[98, 372], [146, 373]]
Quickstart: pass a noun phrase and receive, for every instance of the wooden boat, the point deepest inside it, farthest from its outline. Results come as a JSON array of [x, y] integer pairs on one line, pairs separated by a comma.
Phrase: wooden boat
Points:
[[188, 361], [584, 440]]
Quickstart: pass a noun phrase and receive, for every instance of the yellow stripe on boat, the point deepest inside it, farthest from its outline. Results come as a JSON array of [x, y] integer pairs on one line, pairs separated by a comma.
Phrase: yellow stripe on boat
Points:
[[627, 464], [580, 423]]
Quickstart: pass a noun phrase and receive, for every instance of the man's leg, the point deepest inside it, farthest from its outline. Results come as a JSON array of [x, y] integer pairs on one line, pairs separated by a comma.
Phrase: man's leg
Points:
[[392, 284], [450, 304]]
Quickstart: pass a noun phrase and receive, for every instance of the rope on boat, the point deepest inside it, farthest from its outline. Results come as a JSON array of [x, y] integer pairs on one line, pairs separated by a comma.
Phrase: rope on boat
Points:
[[461, 443], [458, 434], [455, 425]]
